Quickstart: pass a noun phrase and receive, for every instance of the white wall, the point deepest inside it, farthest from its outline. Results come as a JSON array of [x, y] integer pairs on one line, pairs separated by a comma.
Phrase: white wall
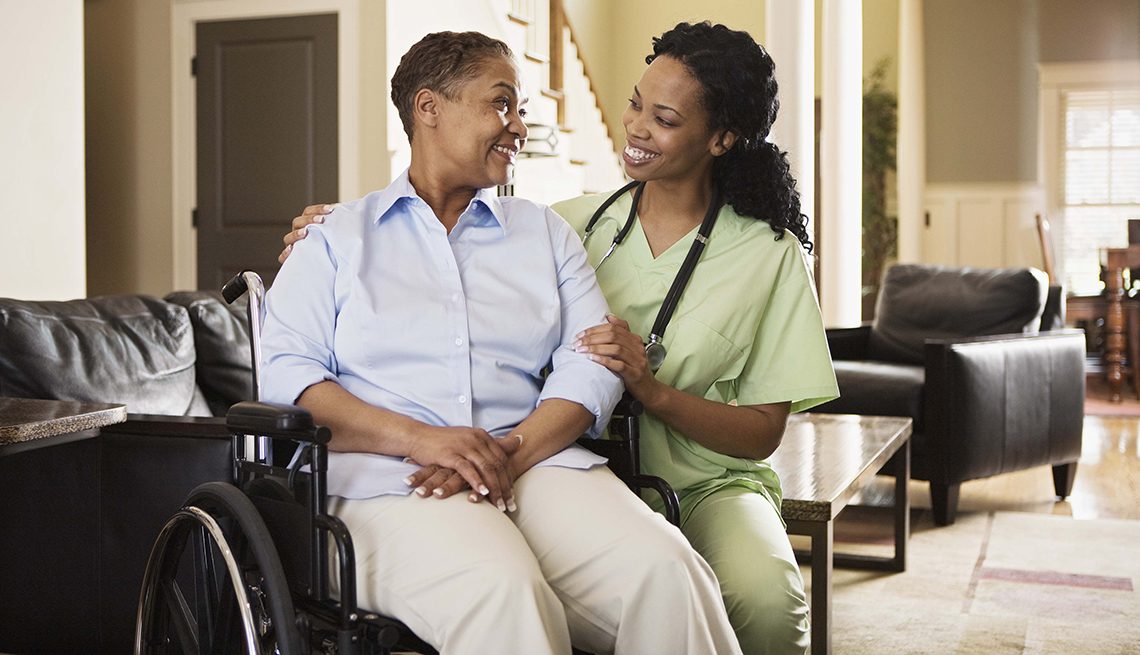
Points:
[[42, 251]]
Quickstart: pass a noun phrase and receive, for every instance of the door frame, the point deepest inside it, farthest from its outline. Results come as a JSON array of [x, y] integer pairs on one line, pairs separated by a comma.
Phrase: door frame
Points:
[[183, 19]]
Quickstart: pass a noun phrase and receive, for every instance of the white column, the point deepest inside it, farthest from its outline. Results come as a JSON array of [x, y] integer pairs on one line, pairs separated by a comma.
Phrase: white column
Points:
[[912, 132], [841, 164], [789, 27]]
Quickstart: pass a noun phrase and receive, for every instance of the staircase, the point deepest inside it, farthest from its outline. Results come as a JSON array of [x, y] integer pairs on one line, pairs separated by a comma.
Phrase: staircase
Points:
[[579, 153]]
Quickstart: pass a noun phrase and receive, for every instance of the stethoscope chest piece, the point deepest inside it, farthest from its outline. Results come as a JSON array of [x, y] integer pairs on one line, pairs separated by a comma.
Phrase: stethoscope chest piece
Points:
[[655, 352]]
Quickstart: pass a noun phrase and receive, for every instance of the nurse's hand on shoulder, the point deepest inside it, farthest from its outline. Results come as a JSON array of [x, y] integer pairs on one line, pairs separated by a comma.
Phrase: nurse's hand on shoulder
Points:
[[312, 214], [612, 345]]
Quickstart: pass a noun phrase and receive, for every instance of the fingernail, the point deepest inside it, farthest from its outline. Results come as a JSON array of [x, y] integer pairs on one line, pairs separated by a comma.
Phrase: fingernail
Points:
[[438, 492], [328, 208], [484, 490], [577, 343], [502, 506], [319, 218], [408, 480], [289, 248], [579, 335], [421, 491], [511, 505], [302, 232], [473, 498], [520, 439], [580, 349], [595, 358]]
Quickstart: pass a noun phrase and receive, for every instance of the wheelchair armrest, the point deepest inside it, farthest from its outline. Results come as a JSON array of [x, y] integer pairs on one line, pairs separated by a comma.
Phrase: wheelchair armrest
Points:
[[663, 489], [275, 420]]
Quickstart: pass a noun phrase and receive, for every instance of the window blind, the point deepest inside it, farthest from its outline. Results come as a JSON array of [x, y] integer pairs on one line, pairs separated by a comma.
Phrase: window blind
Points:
[[1100, 170]]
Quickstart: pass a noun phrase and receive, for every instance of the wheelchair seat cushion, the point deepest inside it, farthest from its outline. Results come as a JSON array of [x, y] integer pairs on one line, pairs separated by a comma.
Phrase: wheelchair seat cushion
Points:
[[878, 389], [134, 350], [919, 302], [221, 339]]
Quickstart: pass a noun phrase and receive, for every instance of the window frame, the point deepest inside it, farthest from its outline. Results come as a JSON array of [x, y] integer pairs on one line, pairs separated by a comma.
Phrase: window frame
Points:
[[1054, 80]]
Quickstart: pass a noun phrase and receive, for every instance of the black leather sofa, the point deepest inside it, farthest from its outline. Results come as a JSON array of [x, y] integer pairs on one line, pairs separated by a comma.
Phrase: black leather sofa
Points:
[[77, 520], [981, 362]]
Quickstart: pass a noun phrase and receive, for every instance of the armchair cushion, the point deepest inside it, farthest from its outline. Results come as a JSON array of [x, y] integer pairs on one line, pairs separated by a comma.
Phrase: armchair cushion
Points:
[[221, 339], [879, 389], [135, 350], [919, 302]]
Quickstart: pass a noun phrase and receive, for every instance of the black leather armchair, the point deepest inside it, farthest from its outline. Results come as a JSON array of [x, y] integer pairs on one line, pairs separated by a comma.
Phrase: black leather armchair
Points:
[[961, 351]]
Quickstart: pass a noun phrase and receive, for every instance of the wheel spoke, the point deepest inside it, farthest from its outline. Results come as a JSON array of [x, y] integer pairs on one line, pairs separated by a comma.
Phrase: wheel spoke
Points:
[[206, 588], [185, 627]]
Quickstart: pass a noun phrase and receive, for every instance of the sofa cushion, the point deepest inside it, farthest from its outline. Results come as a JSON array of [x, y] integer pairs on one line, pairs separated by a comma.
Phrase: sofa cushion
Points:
[[134, 350], [221, 338], [878, 389], [919, 302]]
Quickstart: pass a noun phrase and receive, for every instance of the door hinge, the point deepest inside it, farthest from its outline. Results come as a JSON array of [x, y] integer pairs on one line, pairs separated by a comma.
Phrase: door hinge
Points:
[[194, 217], [194, 67], [927, 219]]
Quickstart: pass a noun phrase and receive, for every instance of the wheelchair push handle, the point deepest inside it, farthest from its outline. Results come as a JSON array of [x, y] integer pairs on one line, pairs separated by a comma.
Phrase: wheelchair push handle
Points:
[[250, 281]]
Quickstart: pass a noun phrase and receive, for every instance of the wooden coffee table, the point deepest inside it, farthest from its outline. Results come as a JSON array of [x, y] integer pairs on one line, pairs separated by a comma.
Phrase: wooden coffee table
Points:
[[823, 461]]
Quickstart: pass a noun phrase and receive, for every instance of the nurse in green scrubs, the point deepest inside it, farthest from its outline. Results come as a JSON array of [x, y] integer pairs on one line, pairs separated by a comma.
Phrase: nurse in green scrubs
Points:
[[744, 345]]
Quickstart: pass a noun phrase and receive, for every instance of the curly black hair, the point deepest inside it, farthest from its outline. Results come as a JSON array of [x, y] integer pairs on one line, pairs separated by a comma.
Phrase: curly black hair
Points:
[[739, 92]]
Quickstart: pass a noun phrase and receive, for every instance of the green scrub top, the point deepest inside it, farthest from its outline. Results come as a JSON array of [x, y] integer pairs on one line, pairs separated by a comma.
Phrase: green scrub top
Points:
[[747, 329]]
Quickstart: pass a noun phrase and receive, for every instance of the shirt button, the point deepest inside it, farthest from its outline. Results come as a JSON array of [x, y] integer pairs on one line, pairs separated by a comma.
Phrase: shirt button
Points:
[[462, 399], [458, 341], [455, 298]]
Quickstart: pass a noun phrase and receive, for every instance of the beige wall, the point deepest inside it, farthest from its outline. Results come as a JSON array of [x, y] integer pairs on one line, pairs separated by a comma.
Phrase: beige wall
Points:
[[41, 150], [981, 76], [129, 227], [881, 38], [633, 25]]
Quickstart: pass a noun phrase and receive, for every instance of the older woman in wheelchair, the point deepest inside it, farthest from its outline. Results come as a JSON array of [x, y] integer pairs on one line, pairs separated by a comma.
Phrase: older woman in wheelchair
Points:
[[416, 327]]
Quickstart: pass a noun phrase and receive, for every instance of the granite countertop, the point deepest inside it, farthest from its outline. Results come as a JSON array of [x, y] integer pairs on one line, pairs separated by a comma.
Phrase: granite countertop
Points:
[[26, 419]]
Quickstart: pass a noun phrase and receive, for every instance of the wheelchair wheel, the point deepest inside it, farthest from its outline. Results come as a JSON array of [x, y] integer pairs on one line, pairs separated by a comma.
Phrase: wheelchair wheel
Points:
[[238, 599]]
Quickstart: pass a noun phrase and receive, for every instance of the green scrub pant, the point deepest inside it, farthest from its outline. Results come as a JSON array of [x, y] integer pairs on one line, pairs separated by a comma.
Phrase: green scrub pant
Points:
[[741, 536]]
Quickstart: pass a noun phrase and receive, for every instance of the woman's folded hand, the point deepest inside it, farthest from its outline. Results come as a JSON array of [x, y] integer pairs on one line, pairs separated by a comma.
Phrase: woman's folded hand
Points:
[[461, 457]]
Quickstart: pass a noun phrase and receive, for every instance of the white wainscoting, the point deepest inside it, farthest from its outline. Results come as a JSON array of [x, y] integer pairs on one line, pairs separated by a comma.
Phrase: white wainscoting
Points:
[[990, 225]]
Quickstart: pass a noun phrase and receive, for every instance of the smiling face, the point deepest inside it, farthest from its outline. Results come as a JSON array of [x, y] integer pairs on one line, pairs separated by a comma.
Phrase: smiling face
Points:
[[666, 126], [481, 130]]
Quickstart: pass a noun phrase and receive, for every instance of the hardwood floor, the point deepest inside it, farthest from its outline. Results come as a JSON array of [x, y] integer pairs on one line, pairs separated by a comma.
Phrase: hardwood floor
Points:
[[1107, 484]]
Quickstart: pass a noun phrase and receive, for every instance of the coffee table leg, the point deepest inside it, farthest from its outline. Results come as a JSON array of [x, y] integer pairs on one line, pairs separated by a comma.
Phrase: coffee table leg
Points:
[[902, 507], [822, 538]]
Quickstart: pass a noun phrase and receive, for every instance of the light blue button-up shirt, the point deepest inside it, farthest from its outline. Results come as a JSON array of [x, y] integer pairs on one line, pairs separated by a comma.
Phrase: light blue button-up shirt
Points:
[[448, 329]]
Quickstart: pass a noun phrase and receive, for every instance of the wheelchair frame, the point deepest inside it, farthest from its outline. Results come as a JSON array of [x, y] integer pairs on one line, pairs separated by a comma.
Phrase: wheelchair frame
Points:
[[280, 503]]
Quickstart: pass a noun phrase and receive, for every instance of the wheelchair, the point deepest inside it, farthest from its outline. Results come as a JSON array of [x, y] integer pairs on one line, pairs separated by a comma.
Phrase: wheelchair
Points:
[[245, 564]]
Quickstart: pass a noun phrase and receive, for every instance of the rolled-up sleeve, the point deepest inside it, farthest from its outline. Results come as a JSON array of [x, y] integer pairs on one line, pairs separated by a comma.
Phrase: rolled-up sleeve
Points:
[[574, 377], [300, 322]]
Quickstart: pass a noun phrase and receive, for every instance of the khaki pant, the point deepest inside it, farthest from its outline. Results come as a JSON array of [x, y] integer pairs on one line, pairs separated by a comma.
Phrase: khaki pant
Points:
[[582, 561]]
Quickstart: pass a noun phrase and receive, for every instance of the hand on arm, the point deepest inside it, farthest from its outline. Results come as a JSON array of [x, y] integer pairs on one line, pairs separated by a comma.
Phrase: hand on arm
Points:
[[477, 459], [751, 432], [312, 214]]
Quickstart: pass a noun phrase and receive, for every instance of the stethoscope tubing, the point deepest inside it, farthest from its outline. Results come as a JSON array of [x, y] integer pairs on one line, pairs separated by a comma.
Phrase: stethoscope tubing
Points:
[[655, 349]]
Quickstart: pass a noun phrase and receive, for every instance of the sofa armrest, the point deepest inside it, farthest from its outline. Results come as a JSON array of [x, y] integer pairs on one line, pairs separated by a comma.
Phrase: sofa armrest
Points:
[[848, 343], [1003, 403]]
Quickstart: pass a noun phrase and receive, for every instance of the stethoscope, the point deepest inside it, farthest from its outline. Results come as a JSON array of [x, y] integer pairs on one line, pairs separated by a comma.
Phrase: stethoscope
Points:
[[654, 350]]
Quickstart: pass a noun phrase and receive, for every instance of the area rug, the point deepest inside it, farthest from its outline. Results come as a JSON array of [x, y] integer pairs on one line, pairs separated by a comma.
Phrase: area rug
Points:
[[996, 583]]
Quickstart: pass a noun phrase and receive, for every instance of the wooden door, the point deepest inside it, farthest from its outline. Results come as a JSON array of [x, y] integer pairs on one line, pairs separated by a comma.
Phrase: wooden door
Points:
[[267, 137]]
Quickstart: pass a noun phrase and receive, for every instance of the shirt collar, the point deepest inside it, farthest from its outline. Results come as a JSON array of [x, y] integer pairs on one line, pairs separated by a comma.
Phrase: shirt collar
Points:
[[402, 187]]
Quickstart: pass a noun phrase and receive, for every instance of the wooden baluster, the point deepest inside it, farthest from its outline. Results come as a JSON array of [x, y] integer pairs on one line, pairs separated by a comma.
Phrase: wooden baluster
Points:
[[1114, 324], [556, 22]]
